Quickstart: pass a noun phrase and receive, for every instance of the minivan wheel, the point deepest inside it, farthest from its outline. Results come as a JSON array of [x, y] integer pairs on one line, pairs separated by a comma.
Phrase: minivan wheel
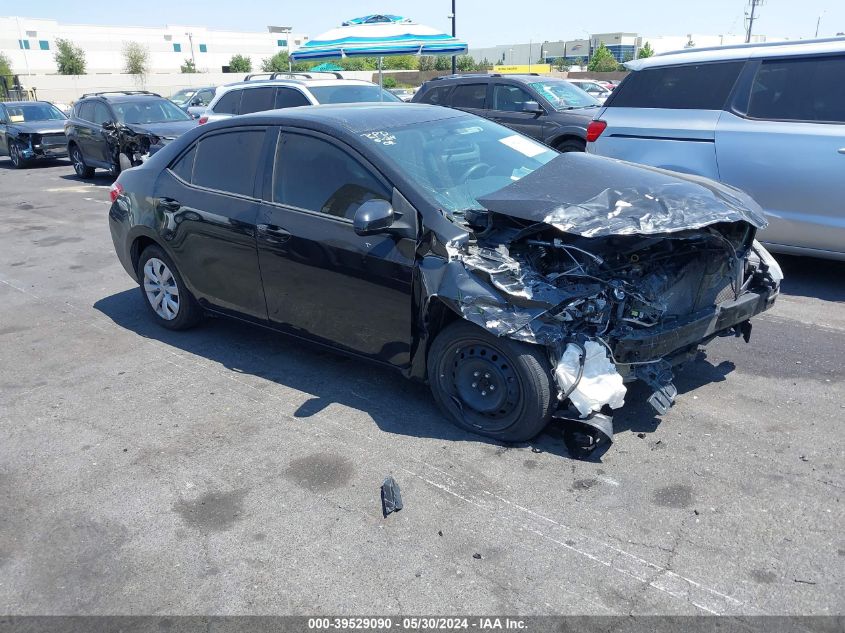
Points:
[[18, 161], [492, 386], [164, 291], [82, 170]]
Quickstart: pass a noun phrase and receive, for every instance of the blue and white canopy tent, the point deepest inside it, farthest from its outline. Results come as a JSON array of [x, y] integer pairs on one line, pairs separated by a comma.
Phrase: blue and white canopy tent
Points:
[[379, 36]]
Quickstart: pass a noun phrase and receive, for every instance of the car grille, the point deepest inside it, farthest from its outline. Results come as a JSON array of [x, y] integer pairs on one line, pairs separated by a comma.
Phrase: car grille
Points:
[[52, 140]]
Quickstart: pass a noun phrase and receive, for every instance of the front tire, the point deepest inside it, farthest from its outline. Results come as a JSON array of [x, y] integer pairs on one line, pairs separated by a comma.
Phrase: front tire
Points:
[[164, 292], [18, 161], [82, 170], [492, 386]]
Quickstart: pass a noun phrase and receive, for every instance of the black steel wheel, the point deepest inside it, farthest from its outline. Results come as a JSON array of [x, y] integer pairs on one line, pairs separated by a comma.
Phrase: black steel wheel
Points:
[[492, 386]]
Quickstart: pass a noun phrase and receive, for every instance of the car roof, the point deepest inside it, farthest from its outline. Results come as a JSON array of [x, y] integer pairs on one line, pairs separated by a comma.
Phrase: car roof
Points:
[[20, 103], [353, 118], [740, 52], [297, 82], [122, 98]]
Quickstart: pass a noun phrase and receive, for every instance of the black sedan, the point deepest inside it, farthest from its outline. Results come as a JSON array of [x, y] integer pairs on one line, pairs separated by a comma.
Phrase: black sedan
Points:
[[519, 282], [31, 130]]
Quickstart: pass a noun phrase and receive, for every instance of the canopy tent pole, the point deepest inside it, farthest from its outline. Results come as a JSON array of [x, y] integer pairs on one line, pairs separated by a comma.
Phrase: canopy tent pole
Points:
[[380, 80]]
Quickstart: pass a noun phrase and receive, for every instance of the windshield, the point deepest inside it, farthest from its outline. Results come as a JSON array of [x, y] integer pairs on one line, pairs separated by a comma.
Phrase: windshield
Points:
[[149, 111], [458, 160], [33, 112], [352, 93], [562, 95], [181, 97]]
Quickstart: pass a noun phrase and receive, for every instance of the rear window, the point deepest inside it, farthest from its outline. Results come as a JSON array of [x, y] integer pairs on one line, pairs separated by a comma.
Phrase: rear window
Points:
[[469, 96], [228, 161], [351, 93], [799, 90], [689, 87]]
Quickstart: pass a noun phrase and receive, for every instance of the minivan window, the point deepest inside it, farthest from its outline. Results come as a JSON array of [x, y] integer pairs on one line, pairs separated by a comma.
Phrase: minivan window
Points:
[[228, 161], [808, 89], [437, 96], [688, 87], [290, 98], [315, 175], [257, 100], [229, 103], [469, 96]]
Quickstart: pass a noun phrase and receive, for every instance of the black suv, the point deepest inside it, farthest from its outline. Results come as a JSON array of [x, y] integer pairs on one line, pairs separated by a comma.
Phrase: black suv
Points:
[[551, 110], [118, 130]]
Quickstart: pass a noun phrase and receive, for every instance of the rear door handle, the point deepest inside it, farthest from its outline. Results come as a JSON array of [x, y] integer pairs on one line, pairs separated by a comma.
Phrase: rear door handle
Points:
[[169, 204], [841, 150], [273, 234]]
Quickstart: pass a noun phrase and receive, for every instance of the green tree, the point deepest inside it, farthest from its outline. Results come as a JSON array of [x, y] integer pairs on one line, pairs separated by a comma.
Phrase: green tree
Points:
[[442, 62], [189, 67], [358, 63], [70, 59], [388, 82], [645, 51], [240, 64], [465, 63], [136, 59], [426, 62], [278, 63], [602, 61], [401, 62], [5, 65], [485, 64]]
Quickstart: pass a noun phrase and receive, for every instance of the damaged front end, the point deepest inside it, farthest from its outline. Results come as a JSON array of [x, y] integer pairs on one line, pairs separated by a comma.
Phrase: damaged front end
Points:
[[130, 147], [620, 271]]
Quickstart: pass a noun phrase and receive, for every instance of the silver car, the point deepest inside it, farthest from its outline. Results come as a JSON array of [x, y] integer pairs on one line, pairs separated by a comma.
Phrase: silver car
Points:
[[766, 118], [251, 96]]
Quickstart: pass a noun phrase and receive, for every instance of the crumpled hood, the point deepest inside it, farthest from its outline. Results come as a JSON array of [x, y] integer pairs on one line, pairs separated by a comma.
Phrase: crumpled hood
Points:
[[169, 128], [593, 196], [40, 127]]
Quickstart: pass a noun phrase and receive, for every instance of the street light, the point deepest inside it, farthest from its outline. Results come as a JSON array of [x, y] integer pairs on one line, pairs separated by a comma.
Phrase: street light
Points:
[[191, 40], [451, 16]]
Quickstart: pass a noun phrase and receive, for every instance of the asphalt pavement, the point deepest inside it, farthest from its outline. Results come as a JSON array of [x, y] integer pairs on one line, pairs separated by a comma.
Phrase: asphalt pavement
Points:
[[230, 470]]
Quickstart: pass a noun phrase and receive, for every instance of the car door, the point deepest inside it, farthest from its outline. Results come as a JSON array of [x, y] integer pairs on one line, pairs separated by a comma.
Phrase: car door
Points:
[[470, 97], [96, 149], [783, 142], [4, 131], [506, 107], [321, 280], [208, 206], [83, 127]]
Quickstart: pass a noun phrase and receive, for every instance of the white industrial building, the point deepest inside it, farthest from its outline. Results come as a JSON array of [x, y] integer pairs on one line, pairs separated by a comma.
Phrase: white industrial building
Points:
[[30, 44]]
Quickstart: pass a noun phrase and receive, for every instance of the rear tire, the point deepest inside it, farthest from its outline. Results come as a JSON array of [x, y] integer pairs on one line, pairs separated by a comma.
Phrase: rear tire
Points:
[[164, 291], [492, 386], [82, 170], [571, 145]]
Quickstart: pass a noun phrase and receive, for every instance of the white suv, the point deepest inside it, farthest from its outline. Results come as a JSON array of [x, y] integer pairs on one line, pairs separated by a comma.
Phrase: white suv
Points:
[[247, 97]]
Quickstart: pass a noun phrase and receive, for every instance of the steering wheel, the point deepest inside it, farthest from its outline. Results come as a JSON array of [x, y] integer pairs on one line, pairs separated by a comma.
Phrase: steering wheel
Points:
[[478, 167]]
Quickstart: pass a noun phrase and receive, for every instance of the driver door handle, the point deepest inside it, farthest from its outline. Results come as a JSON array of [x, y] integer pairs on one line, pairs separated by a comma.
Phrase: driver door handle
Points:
[[273, 234], [841, 150]]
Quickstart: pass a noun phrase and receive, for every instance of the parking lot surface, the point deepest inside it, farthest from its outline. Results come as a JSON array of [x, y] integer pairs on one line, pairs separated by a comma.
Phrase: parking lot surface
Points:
[[230, 470]]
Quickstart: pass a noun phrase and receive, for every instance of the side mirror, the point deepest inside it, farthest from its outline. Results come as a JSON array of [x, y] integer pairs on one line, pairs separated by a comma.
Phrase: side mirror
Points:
[[372, 217], [532, 106]]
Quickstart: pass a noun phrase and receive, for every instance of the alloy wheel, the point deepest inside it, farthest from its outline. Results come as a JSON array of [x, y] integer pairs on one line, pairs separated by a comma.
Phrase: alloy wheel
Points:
[[15, 155], [78, 165], [160, 289]]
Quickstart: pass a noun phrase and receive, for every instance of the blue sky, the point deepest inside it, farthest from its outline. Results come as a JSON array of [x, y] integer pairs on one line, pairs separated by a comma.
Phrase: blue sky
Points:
[[480, 22]]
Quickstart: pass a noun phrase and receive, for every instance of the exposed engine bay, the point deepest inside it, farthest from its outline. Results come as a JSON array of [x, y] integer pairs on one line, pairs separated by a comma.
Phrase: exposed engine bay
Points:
[[621, 286], [130, 147]]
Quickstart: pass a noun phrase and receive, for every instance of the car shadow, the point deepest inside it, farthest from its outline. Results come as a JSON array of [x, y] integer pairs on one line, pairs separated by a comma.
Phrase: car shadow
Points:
[[395, 404], [812, 277], [6, 163], [99, 178]]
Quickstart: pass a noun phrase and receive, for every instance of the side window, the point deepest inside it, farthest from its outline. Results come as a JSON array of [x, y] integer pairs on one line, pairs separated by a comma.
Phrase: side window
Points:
[[101, 113], [290, 98], [257, 100], [690, 87], [86, 111], [437, 96], [184, 167], [809, 89], [510, 98], [228, 161], [205, 97], [3, 118], [229, 103], [315, 175], [469, 96]]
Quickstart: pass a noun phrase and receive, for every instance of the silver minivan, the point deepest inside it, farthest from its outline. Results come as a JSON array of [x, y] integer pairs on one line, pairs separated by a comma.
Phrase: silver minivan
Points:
[[766, 118]]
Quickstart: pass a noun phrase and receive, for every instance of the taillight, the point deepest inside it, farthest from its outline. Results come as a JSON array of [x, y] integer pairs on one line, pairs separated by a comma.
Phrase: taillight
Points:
[[115, 190], [203, 120], [594, 130]]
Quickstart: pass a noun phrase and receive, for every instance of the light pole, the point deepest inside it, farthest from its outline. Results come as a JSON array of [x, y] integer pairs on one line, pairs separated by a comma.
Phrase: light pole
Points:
[[191, 40], [454, 32], [818, 22]]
